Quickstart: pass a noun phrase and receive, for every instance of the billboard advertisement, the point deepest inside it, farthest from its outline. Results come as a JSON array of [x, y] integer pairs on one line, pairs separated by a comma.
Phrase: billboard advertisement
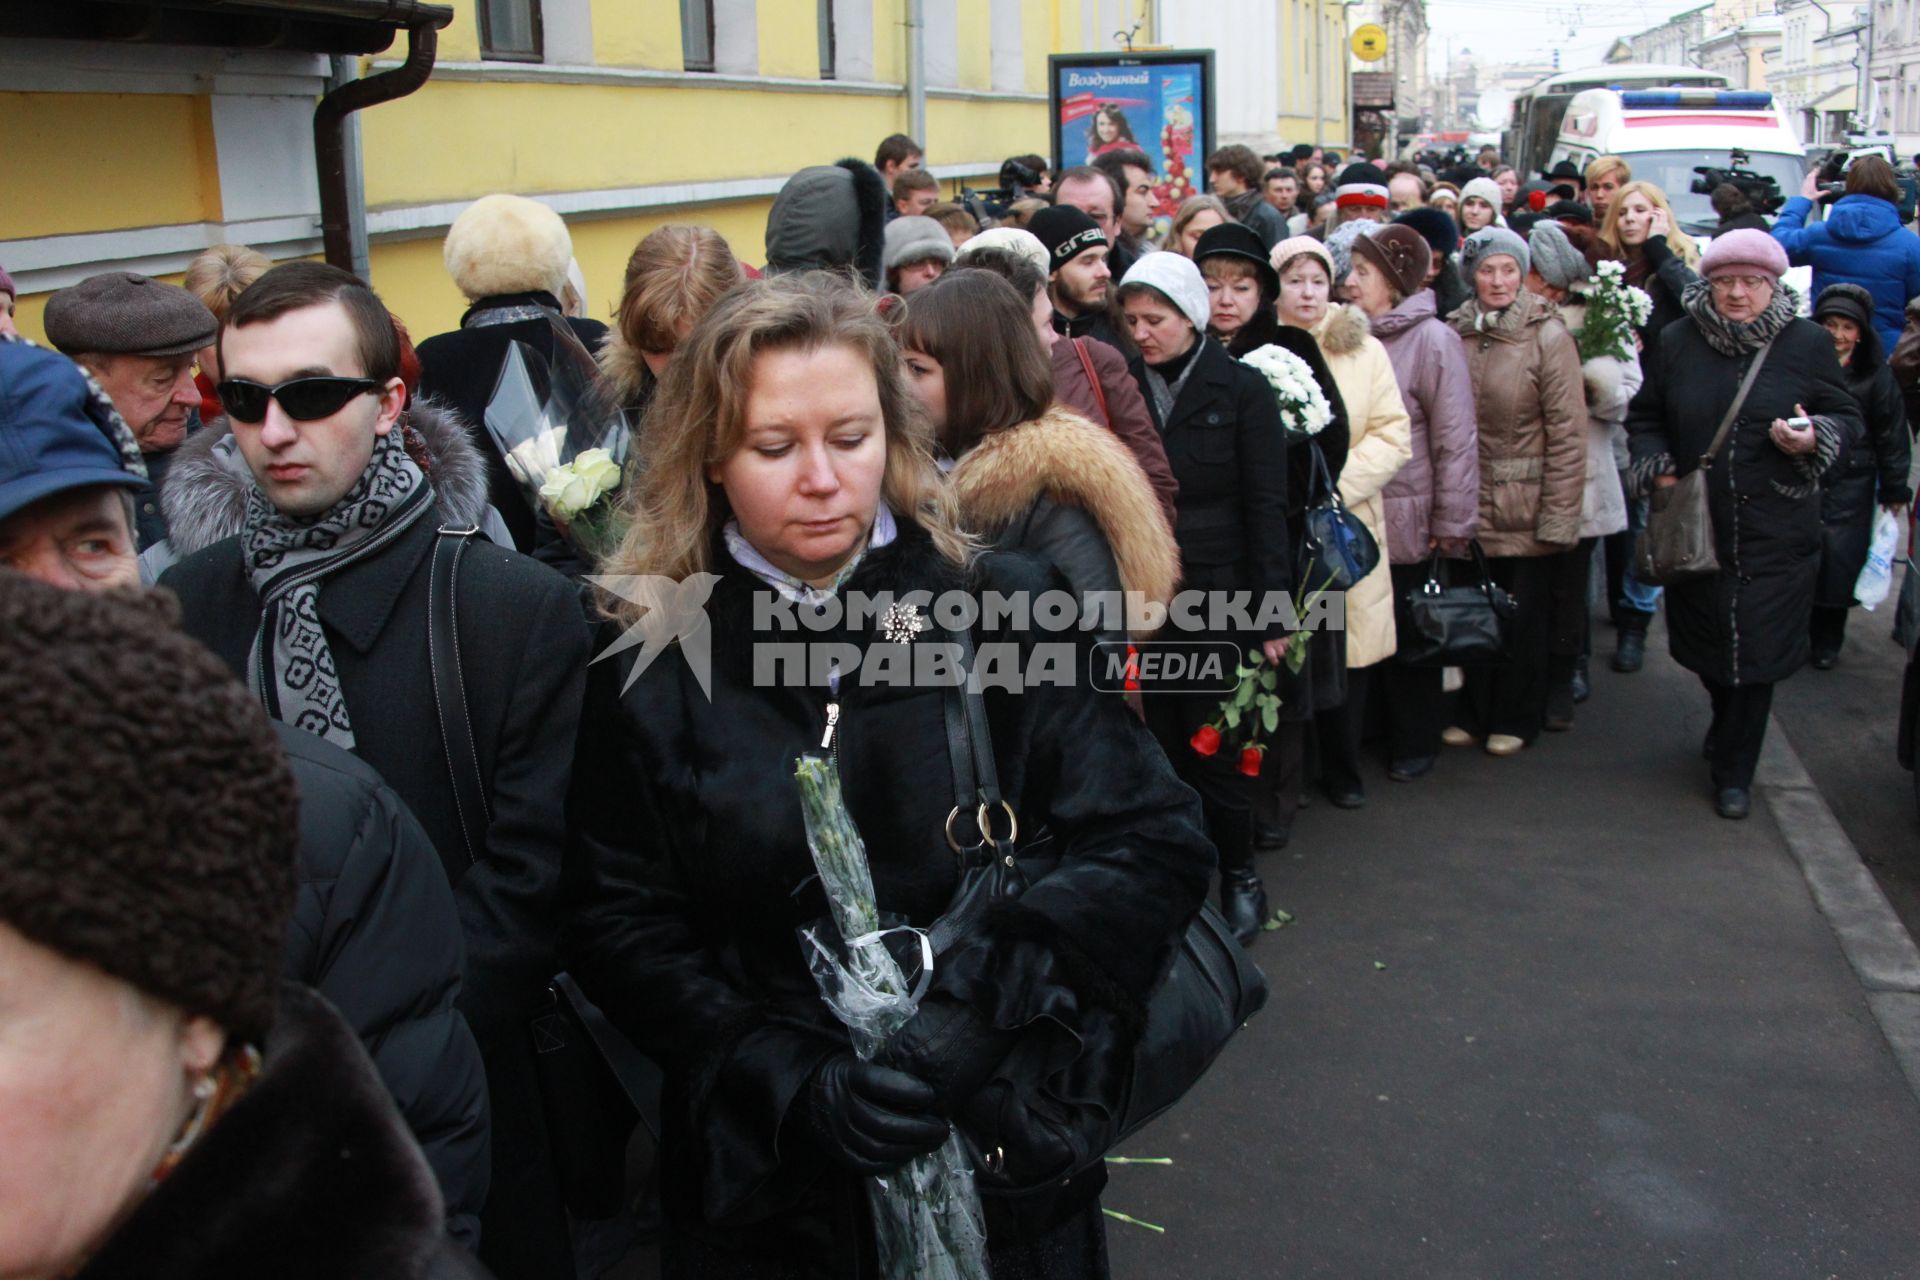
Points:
[[1159, 101]]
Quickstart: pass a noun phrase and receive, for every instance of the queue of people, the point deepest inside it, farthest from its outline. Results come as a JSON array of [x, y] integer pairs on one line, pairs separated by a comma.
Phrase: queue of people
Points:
[[316, 571]]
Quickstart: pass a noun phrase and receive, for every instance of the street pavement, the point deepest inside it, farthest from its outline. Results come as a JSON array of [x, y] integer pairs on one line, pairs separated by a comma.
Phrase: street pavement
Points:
[[1551, 1017]]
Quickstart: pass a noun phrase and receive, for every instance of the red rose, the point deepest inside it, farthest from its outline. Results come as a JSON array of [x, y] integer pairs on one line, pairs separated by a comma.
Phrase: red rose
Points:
[[1250, 761], [1206, 741]]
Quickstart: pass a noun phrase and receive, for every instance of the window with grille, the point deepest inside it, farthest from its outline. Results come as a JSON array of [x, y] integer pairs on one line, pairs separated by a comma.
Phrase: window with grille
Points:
[[510, 30]]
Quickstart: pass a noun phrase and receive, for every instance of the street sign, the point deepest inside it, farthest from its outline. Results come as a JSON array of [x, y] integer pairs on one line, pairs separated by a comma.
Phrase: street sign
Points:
[[1370, 42], [1373, 89]]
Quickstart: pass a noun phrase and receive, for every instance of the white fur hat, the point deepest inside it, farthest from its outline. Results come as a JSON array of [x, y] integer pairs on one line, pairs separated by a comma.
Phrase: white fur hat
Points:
[[1178, 279], [1018, 240], [508, 244]]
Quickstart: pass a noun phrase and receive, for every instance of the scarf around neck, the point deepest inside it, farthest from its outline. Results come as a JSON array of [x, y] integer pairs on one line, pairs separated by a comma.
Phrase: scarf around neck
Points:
[[1166, 394], [1729, 338], [290, 665]]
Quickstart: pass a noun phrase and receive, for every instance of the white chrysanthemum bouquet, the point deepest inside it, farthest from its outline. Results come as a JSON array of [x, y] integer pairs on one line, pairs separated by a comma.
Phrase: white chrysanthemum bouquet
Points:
[[1614, 310], [1303, 406]]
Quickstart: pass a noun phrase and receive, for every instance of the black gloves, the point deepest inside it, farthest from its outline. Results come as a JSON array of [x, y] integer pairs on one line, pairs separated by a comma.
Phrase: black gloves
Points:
[[871, 1119], [952, 1048]]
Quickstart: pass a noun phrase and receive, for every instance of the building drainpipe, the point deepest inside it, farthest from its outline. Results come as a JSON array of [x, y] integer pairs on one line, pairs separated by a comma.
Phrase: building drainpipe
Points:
[[331, 150], [1319, 70], [917, 71]]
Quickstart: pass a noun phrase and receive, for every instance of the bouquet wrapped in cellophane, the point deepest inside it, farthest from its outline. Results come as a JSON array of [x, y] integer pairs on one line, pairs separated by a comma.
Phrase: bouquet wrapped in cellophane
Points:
[[563, 438], [927, 1220]]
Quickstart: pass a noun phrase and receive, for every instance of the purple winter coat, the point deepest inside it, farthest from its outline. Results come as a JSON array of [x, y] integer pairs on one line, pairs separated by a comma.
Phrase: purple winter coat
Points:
[[1437, 494]]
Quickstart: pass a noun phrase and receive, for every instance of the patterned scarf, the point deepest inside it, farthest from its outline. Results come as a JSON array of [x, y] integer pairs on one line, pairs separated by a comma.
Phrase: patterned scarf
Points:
[[1727, 337], [290, 666]]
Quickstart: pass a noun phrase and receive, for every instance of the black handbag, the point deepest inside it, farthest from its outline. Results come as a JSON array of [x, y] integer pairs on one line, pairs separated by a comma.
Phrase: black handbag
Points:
[[1211, 988], [1455, 626], [1337, 549], [595, 1085]]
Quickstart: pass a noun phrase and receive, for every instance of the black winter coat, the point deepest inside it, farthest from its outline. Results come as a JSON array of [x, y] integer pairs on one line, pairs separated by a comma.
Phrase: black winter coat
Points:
[[524, 654], [694, 877], [461, 369], [1666, 283], [1872, 470], [309, 1176], [1746, 624], [375, 930]]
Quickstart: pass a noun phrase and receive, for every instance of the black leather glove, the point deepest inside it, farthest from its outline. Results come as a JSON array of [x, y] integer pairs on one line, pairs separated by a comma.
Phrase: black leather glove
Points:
[[871, 1119], [952, 1048]]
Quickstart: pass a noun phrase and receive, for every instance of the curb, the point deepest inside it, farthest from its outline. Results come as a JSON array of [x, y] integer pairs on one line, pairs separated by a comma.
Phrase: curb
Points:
[[1876, 944]]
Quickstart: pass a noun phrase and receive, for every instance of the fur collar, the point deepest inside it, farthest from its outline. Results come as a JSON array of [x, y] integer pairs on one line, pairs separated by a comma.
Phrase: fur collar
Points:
[[1343, 330], [310, 1176], [1067, 459], [871, 194], [204, 496]]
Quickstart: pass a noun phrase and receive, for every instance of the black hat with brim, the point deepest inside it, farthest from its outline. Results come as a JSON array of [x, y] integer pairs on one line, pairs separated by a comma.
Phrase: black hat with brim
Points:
[[1237, 240]]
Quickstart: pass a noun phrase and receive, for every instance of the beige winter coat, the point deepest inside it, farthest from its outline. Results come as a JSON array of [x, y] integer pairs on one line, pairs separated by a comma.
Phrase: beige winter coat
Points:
[[1532, 407], [1380, 443]]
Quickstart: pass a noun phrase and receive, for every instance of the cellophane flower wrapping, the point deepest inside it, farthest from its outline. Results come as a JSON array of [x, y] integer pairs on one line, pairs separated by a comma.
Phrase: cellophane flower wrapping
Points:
[[1614, 310], [1303, 405], [564, 439], [928, 1224]]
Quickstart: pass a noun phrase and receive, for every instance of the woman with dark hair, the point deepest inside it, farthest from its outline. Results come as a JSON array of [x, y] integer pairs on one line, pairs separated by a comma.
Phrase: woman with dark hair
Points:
[[1860, 241], [1735, 210], [1029, 475], [1876, 461], [787, 464], [1109, 131]]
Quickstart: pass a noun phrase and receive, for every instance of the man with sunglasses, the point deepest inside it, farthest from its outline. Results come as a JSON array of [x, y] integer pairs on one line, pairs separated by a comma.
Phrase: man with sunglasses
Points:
[[322, 601], [138, 338]]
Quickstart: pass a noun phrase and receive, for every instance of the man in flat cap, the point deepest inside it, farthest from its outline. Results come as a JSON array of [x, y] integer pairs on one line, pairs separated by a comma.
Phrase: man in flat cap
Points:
[[138, 338]]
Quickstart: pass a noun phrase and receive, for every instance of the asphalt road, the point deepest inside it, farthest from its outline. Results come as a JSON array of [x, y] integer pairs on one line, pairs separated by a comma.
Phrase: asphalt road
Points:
[[1550, 1017]]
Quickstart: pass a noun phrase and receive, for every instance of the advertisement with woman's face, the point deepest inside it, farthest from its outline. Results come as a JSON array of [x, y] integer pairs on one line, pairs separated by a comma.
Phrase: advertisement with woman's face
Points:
[[1158, 104]]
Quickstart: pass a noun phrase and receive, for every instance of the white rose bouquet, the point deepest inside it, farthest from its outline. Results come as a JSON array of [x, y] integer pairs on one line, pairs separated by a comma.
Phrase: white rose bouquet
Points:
[[1303, 406]]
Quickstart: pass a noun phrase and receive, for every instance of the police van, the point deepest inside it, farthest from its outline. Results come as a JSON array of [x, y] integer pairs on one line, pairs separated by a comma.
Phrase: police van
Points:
[[1667, 135]]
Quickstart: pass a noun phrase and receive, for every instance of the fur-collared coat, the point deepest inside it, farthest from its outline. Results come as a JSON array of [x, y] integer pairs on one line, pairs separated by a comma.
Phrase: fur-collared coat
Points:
[[1067, 490], [1379, 443], [308, 1176]]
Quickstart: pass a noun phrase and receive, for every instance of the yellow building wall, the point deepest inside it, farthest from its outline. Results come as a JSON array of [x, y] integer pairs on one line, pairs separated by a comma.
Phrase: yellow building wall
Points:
[[789, 40], [80, 162], [975, 33], [636, 33]]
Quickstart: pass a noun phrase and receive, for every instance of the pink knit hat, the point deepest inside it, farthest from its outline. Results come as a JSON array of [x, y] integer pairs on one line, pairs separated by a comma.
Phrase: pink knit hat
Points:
[[1748, 247], [1301, 246]]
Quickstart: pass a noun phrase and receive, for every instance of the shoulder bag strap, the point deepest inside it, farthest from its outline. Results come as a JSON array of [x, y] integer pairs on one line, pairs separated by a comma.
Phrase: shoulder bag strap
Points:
[[1733, 410], [977, 802], [1093, 379], [450, 690]]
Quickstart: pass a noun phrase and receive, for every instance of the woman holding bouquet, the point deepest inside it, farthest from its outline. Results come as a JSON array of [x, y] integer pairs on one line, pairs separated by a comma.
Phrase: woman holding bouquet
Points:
[[1225, 442], [785, 468]]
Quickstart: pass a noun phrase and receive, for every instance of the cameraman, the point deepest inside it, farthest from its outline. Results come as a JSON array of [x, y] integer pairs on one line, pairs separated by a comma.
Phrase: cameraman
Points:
[[1861, 242], [1735, 210]]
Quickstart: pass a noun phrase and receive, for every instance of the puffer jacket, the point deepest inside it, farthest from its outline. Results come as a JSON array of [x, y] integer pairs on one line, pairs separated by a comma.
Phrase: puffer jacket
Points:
[[1860, 242], [1378, 446], [375, 930], [1437, 494], [1610, 385], [1061, 488], [1531, 407]]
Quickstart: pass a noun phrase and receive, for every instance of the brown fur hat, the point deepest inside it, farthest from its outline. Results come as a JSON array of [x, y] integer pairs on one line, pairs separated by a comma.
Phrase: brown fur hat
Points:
[[147, 823]]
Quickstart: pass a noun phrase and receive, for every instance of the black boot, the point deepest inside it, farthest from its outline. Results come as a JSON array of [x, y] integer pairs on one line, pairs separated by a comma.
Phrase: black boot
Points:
[[1582, 685], [1243, 902], [1631, 653], [1268, 836], [1559, 709]]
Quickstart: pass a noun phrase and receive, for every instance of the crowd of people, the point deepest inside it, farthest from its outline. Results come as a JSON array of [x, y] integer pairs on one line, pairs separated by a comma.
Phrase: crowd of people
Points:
[[268, 570]]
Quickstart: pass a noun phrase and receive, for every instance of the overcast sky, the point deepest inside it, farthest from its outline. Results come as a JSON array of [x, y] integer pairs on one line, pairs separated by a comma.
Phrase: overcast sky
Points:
[[1530, 30]]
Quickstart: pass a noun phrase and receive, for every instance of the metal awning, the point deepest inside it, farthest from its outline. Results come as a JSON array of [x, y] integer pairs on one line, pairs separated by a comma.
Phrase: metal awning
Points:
[[1845, 98], [311, 26]]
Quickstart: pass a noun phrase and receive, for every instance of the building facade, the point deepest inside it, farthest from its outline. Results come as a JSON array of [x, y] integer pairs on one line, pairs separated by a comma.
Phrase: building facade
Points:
[[1279, 67], [1893, 106], [1673, 42], [622, 114], [1740, 52], [1817, 71]]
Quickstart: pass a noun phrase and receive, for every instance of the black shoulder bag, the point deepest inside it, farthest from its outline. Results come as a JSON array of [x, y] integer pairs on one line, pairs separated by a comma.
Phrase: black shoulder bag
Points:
[[1209, 992], [1337, 549], [595, 1086], [1455, 626]]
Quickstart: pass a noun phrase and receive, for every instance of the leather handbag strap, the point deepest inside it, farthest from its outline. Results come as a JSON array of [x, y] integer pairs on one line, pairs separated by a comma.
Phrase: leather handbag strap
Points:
[[1093, 379], [450, 690], [1733, 410]]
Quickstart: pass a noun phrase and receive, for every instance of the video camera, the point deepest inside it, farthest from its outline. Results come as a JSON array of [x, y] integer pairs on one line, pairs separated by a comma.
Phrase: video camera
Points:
[[1761, 191]]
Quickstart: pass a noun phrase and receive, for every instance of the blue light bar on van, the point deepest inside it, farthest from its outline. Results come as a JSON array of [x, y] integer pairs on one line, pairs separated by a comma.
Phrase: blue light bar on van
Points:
[[1730, 99]]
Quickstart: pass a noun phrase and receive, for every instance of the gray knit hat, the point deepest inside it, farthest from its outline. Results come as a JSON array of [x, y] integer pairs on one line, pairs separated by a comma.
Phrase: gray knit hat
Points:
[[126, 313], [1491, 242], [180, 884], [1559, 263], [916, 238]]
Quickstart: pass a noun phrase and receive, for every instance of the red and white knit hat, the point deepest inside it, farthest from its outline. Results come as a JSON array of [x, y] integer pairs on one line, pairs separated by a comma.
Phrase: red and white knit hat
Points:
[[1361, 185]]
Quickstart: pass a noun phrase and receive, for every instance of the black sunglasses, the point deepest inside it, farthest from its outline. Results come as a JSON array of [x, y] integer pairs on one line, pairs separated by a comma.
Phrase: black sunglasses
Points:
[[304, 399]]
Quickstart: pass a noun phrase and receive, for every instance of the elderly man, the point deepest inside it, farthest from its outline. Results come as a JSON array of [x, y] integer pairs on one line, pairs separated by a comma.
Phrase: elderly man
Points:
[[1406, 191], [139, 338]]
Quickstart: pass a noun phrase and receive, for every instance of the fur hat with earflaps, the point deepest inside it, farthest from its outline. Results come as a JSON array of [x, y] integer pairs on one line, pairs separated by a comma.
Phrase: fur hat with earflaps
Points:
[[508, 244]]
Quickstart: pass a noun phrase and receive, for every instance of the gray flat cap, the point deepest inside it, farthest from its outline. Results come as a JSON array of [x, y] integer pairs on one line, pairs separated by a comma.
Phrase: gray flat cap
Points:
[[125, 313]]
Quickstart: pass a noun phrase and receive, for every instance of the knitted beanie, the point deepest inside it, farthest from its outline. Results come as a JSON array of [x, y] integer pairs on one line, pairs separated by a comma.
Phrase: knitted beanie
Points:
[[1748, 248], [148, 822], [1491, 242], [508, 244], [1340, 242], [1361, 185], [1067, 233], [1485, 189], [1399, 251], [1294, 247], [915, 238], [1559, 263], [1176, 278]]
